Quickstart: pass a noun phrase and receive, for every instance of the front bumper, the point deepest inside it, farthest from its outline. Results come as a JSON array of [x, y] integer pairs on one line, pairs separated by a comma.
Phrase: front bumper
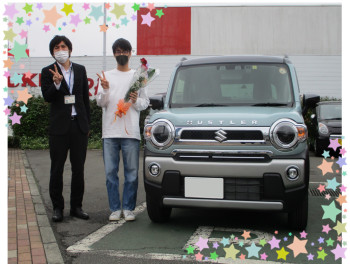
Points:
[[256, 186], [226, 169]]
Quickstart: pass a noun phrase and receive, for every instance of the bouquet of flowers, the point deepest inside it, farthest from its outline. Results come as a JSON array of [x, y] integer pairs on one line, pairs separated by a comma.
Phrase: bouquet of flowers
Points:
[[142, 77]]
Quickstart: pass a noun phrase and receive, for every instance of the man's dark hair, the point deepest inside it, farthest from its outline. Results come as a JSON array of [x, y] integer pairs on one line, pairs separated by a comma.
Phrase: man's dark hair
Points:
[[57, 40], [121, 43]]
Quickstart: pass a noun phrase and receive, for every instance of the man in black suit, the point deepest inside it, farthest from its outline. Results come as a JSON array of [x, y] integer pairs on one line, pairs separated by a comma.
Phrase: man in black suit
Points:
[[65, 86]]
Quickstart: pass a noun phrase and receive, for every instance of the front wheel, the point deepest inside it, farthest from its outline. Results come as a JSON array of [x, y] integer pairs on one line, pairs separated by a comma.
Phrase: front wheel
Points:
[[156, 212], [297, 219]]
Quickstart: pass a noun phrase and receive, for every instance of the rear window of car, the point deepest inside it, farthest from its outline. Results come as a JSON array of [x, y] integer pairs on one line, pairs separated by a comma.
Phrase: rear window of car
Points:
[[330, 111]]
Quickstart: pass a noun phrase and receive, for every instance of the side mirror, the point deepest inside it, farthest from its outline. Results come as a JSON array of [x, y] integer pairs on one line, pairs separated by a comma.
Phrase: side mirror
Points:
[[310, 101], [156, 102]]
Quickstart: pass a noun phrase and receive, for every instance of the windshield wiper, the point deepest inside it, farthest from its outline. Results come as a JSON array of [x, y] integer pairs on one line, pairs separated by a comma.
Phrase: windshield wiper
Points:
[[270, 104], [208, 105]]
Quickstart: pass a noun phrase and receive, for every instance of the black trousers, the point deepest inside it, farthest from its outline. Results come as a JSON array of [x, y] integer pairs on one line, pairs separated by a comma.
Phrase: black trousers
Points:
[[76, 142]]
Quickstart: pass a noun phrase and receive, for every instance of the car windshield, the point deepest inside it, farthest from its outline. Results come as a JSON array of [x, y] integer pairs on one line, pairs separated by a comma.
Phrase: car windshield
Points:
[[331, 111], [235, 84]]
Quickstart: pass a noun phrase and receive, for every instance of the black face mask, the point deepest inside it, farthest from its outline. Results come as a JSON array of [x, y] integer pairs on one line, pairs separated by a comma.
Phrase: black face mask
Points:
[[122, 59]]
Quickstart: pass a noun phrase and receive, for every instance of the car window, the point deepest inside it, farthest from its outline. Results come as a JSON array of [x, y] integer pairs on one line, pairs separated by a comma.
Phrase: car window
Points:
[[232, 84], [331, 111]]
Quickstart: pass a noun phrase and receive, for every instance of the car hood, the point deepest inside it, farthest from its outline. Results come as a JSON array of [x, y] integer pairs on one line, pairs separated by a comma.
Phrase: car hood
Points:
[[227, 116]]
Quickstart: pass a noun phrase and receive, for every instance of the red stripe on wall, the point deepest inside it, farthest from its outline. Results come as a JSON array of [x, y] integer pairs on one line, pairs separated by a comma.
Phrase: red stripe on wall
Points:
[[168, 35]]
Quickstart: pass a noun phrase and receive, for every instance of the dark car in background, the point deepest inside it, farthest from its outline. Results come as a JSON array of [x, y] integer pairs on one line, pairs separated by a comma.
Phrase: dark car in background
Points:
[[327, 119]]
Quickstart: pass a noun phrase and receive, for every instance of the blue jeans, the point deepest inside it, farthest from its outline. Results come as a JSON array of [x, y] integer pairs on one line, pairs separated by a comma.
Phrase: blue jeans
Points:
[[111, 156]]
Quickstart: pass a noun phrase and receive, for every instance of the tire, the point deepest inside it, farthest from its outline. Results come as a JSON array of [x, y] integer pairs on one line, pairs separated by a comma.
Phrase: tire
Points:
[[297, 219], [156, 212]]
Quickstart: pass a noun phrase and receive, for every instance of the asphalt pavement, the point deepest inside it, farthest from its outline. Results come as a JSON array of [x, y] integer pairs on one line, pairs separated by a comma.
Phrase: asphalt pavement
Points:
[[99, 241]]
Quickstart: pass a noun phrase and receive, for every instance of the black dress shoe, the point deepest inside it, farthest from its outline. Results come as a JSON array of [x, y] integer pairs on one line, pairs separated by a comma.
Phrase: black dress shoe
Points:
[[79, 213], [57, 215]]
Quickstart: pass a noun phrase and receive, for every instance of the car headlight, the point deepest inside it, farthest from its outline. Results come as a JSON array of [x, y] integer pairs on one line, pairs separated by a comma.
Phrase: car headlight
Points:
[[161, 133], [322, 129], [285, 134]]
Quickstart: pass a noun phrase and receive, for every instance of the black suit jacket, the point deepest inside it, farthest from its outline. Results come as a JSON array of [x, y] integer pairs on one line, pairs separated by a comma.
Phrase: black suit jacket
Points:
[[60, 113]]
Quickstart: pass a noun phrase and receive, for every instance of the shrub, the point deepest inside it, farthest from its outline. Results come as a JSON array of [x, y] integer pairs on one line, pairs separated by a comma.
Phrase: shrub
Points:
[[13, 142], [34, 143], [34, 122], [96, 120]]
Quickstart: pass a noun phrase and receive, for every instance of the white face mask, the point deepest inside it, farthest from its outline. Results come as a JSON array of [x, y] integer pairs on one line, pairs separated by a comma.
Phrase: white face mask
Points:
[[62, 56]]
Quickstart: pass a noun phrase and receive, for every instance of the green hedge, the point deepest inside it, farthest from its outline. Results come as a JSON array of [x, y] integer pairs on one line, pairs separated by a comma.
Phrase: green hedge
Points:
[[32, 133]]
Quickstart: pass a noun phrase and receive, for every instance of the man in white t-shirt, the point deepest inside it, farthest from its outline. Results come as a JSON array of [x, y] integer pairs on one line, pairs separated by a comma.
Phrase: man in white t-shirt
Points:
[[121, 133]]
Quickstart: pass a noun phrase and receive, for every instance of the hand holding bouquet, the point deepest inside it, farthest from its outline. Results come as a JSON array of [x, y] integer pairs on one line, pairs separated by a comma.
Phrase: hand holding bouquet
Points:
[[142, 77]]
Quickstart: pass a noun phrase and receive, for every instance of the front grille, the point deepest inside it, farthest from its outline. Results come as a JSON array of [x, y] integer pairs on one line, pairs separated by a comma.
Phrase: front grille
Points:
[[243, 189], [210, 157], [231, 135]]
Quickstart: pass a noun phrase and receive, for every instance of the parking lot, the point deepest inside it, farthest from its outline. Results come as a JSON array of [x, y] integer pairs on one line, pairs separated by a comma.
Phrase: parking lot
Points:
[[206, 235]]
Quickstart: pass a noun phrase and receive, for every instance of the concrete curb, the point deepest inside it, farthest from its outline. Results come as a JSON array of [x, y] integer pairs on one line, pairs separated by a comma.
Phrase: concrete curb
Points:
[[52, 251]]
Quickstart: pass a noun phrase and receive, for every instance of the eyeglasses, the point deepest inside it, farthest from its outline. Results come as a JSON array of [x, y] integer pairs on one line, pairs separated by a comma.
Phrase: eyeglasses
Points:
[[120, 52]]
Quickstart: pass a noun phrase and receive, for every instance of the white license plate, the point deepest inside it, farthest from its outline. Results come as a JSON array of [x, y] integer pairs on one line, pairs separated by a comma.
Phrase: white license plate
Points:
[[196, 187]]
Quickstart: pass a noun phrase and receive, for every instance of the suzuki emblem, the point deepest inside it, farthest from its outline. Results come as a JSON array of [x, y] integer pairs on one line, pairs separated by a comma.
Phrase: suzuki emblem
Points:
[[220, 135]]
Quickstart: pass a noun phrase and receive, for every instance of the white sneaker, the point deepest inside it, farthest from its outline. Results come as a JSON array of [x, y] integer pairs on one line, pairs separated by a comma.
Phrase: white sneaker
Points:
[[128, 215], [115, 216]]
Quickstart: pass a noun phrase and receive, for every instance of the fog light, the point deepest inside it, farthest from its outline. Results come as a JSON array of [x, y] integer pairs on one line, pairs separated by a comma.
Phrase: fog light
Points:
[[154, 169], [293, 173]]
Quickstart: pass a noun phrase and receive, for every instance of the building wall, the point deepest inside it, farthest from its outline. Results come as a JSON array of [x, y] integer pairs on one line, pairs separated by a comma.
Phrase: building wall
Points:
[[266, 30]]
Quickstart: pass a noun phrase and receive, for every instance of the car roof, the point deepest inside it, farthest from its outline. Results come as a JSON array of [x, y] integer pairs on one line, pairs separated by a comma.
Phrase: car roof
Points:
[[329, 102], [235, 59]]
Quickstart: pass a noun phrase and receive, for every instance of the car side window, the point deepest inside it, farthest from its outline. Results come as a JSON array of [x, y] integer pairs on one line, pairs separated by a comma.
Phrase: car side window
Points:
[[178, 94]]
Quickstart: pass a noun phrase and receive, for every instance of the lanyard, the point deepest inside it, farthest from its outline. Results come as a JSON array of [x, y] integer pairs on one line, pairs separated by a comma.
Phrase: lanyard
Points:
[[70, 75]]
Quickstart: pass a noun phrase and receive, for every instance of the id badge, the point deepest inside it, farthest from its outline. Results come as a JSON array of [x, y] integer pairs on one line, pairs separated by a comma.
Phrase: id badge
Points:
[[69, 99]]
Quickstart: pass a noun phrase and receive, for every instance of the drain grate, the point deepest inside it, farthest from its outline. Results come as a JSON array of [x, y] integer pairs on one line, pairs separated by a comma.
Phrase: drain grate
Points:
[[316, 192]]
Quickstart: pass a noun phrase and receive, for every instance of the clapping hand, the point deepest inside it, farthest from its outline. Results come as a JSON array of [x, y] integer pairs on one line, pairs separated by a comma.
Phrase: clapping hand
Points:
[[57, 77], [104, 82]]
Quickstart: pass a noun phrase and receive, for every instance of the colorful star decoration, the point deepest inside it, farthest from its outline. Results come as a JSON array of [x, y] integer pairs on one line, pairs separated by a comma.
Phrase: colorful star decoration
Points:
[[147, 19], [23, 95], [19, 51], [326, 167]]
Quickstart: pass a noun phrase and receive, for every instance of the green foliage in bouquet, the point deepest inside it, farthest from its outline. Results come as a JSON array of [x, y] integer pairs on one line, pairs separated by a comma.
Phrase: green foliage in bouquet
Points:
[[134, 88], [142, 76]]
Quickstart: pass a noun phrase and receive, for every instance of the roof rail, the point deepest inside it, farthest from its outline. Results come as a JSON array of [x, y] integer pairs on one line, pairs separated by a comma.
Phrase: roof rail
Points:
[[286, 59]]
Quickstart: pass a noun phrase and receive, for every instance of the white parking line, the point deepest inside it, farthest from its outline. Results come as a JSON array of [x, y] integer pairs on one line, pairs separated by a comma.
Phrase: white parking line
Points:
[[85, 244], [177, 258]]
